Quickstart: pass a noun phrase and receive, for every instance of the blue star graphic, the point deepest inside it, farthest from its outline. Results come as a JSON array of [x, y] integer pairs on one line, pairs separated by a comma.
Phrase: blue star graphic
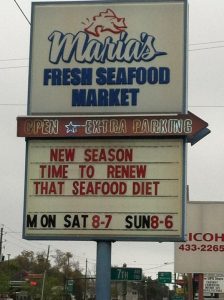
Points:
[[71, 127]]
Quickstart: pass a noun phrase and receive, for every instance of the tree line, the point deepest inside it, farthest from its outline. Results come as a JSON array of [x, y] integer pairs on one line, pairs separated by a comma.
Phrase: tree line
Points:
[[25, 272]]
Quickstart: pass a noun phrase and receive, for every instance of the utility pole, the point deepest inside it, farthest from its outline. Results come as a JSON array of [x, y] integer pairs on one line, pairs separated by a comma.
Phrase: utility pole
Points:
[[1, 241], [67, 277], [85, 280], [45, 272], [8, 259], [124, 285]]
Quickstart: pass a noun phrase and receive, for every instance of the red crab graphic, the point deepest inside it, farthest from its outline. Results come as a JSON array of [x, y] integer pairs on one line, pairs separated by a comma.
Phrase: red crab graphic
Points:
[[105, 21]]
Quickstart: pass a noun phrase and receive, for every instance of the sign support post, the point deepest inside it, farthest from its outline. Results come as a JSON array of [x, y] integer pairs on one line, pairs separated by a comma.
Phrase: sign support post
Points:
[[200, 286], [103, 270], [190, 287]]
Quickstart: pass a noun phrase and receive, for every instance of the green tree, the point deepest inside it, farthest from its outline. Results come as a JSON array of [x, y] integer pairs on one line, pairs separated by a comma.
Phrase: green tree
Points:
[[156, 290], [25, 260], [150, 289], [4, 283], [62, 267], [69, 269]]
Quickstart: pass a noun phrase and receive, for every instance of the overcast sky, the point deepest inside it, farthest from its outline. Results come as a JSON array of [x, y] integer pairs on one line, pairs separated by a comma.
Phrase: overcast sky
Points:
[[205, 165]]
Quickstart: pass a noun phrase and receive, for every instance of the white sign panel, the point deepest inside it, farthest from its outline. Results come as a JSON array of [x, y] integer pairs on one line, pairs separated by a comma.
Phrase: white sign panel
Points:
[[214, 283], [98, 57], [204, 247], [104, 189]]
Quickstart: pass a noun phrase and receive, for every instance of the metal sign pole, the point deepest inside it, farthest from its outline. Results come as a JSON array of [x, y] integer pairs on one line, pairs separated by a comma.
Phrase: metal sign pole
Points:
[[103, 270], [200, 286]]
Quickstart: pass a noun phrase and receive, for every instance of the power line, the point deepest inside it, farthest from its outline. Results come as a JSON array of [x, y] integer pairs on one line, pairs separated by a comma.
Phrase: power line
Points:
[[205, 43], [10, 59], [1, 236], [192, 44], [17, 235], [12, 104], [16, 67], [163, 265], [209, 106], [19, 243], [19, 67], [196, 44], [199, 49], [22, 11]]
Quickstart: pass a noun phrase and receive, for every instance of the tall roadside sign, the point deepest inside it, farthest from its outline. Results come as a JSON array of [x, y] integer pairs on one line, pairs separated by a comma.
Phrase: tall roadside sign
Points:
[[214, 283], [126, 274], [106, 189], [107, 124], [187, 126], [165, 277], [107, 121], [97, 58], [202, 252]]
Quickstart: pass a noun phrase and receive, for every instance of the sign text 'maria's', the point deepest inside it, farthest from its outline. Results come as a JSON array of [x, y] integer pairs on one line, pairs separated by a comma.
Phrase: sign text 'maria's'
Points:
[[80, 48]]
